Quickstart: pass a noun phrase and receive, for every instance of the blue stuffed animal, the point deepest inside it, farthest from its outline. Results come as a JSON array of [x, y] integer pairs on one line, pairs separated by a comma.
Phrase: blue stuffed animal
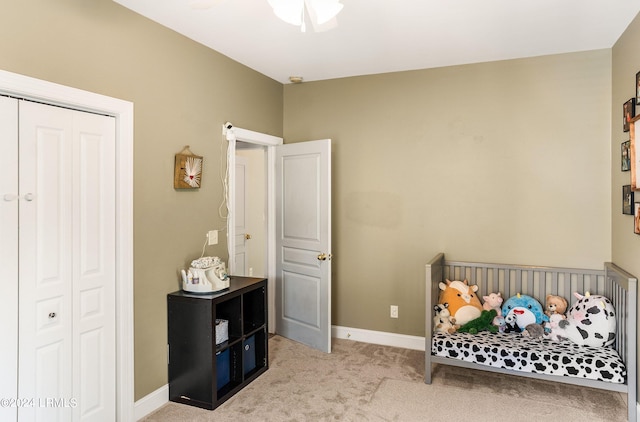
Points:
[[525, 309]]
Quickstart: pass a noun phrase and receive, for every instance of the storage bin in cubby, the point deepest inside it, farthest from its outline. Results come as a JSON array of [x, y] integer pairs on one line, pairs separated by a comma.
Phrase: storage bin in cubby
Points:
[[249, 354], [222, 331], [223, 369]]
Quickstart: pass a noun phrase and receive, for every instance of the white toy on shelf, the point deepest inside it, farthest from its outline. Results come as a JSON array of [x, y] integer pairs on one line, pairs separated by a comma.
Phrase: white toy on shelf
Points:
[[206, 275]]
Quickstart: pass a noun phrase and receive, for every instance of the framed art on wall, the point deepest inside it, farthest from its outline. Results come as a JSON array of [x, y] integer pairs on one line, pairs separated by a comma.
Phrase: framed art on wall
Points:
[[627, 200], [187, 172], [638, 88], [628, 112], [625, 156], [636, 218], [634, 157]]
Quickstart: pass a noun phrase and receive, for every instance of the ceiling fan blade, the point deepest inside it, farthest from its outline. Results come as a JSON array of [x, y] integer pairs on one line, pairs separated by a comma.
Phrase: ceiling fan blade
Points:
[[289, 11], [323, 14], [330, 24], [322, 11]]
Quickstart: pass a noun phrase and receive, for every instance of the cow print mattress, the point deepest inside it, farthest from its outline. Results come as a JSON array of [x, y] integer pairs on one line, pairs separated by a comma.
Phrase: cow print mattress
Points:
[[540, 356]]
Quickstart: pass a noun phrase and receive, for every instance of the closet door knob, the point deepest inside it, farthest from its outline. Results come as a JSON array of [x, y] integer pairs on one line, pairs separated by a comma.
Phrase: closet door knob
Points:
[[28, 197], [10, 197], [52, 315]]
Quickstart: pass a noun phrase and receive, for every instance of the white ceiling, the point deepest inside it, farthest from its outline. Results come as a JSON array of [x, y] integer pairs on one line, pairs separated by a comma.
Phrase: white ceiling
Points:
[[378, 36]]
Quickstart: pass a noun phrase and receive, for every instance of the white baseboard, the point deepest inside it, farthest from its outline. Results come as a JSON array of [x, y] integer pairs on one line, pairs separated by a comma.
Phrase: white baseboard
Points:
[[378, 337], [151, 402]]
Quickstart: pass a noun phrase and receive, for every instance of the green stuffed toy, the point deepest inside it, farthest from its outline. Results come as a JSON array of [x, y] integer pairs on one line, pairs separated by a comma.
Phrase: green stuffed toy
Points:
[[483, 323]]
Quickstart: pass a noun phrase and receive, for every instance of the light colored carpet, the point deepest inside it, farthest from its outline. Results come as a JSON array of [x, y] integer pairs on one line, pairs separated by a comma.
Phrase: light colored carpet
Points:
[[366, 382], [408, 401]]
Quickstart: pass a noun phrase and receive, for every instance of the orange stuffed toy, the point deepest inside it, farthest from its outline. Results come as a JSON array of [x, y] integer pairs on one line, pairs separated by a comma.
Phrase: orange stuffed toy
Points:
[[464, 304]]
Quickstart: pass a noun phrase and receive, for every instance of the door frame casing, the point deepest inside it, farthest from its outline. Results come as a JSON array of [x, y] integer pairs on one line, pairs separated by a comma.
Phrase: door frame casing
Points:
[[270, 142], [29, 88]]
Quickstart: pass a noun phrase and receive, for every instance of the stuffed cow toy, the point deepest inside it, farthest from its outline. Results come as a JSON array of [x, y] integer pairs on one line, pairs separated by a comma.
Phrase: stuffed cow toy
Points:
[[464, 304], [591, 321], [443, 322]]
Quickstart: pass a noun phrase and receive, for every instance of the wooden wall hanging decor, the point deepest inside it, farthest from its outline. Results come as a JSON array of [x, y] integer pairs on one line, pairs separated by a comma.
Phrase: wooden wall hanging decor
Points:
[[188, 170]]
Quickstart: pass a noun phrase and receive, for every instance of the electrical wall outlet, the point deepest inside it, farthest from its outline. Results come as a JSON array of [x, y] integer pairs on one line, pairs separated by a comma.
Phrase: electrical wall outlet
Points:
[[394, 311], [213, 237]]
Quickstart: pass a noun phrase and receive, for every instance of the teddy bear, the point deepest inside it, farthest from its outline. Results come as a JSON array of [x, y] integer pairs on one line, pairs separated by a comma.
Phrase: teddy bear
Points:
[[443, 322], [555, 305]]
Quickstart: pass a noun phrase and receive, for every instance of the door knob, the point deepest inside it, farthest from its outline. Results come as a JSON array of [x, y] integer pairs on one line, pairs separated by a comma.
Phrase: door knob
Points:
[[247, 236], [322, 257], [28, 197]]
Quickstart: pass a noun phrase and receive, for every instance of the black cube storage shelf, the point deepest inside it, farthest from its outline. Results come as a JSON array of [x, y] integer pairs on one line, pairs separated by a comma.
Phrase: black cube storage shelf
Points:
[[197, 365]]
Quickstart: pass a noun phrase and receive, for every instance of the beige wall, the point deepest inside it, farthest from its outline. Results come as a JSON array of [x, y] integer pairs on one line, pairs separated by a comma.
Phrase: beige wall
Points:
[[501, 162], [625, 64], [505, 161], [182, 94]]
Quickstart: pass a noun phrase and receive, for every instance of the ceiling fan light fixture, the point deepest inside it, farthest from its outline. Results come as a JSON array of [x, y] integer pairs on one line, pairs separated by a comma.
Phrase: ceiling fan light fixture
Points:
[[293, 11]]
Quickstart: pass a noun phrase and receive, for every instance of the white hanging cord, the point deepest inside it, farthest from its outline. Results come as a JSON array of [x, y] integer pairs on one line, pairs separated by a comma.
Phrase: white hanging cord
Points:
[[224, 176], [203, 248]]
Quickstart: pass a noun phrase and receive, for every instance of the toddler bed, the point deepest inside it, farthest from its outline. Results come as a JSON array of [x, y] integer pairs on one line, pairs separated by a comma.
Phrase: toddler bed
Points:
[[608, 368]]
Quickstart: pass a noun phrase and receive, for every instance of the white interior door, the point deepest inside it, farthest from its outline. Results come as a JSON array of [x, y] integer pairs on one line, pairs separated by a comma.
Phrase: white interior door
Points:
[[250, 234], [66, 264], [303, 242], [240, 213], [9, 254]]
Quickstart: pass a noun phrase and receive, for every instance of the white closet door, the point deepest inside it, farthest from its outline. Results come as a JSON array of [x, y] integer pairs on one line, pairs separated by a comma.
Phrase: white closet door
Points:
[[66, 264], [94, 331], [9, 254], [94, 271]]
